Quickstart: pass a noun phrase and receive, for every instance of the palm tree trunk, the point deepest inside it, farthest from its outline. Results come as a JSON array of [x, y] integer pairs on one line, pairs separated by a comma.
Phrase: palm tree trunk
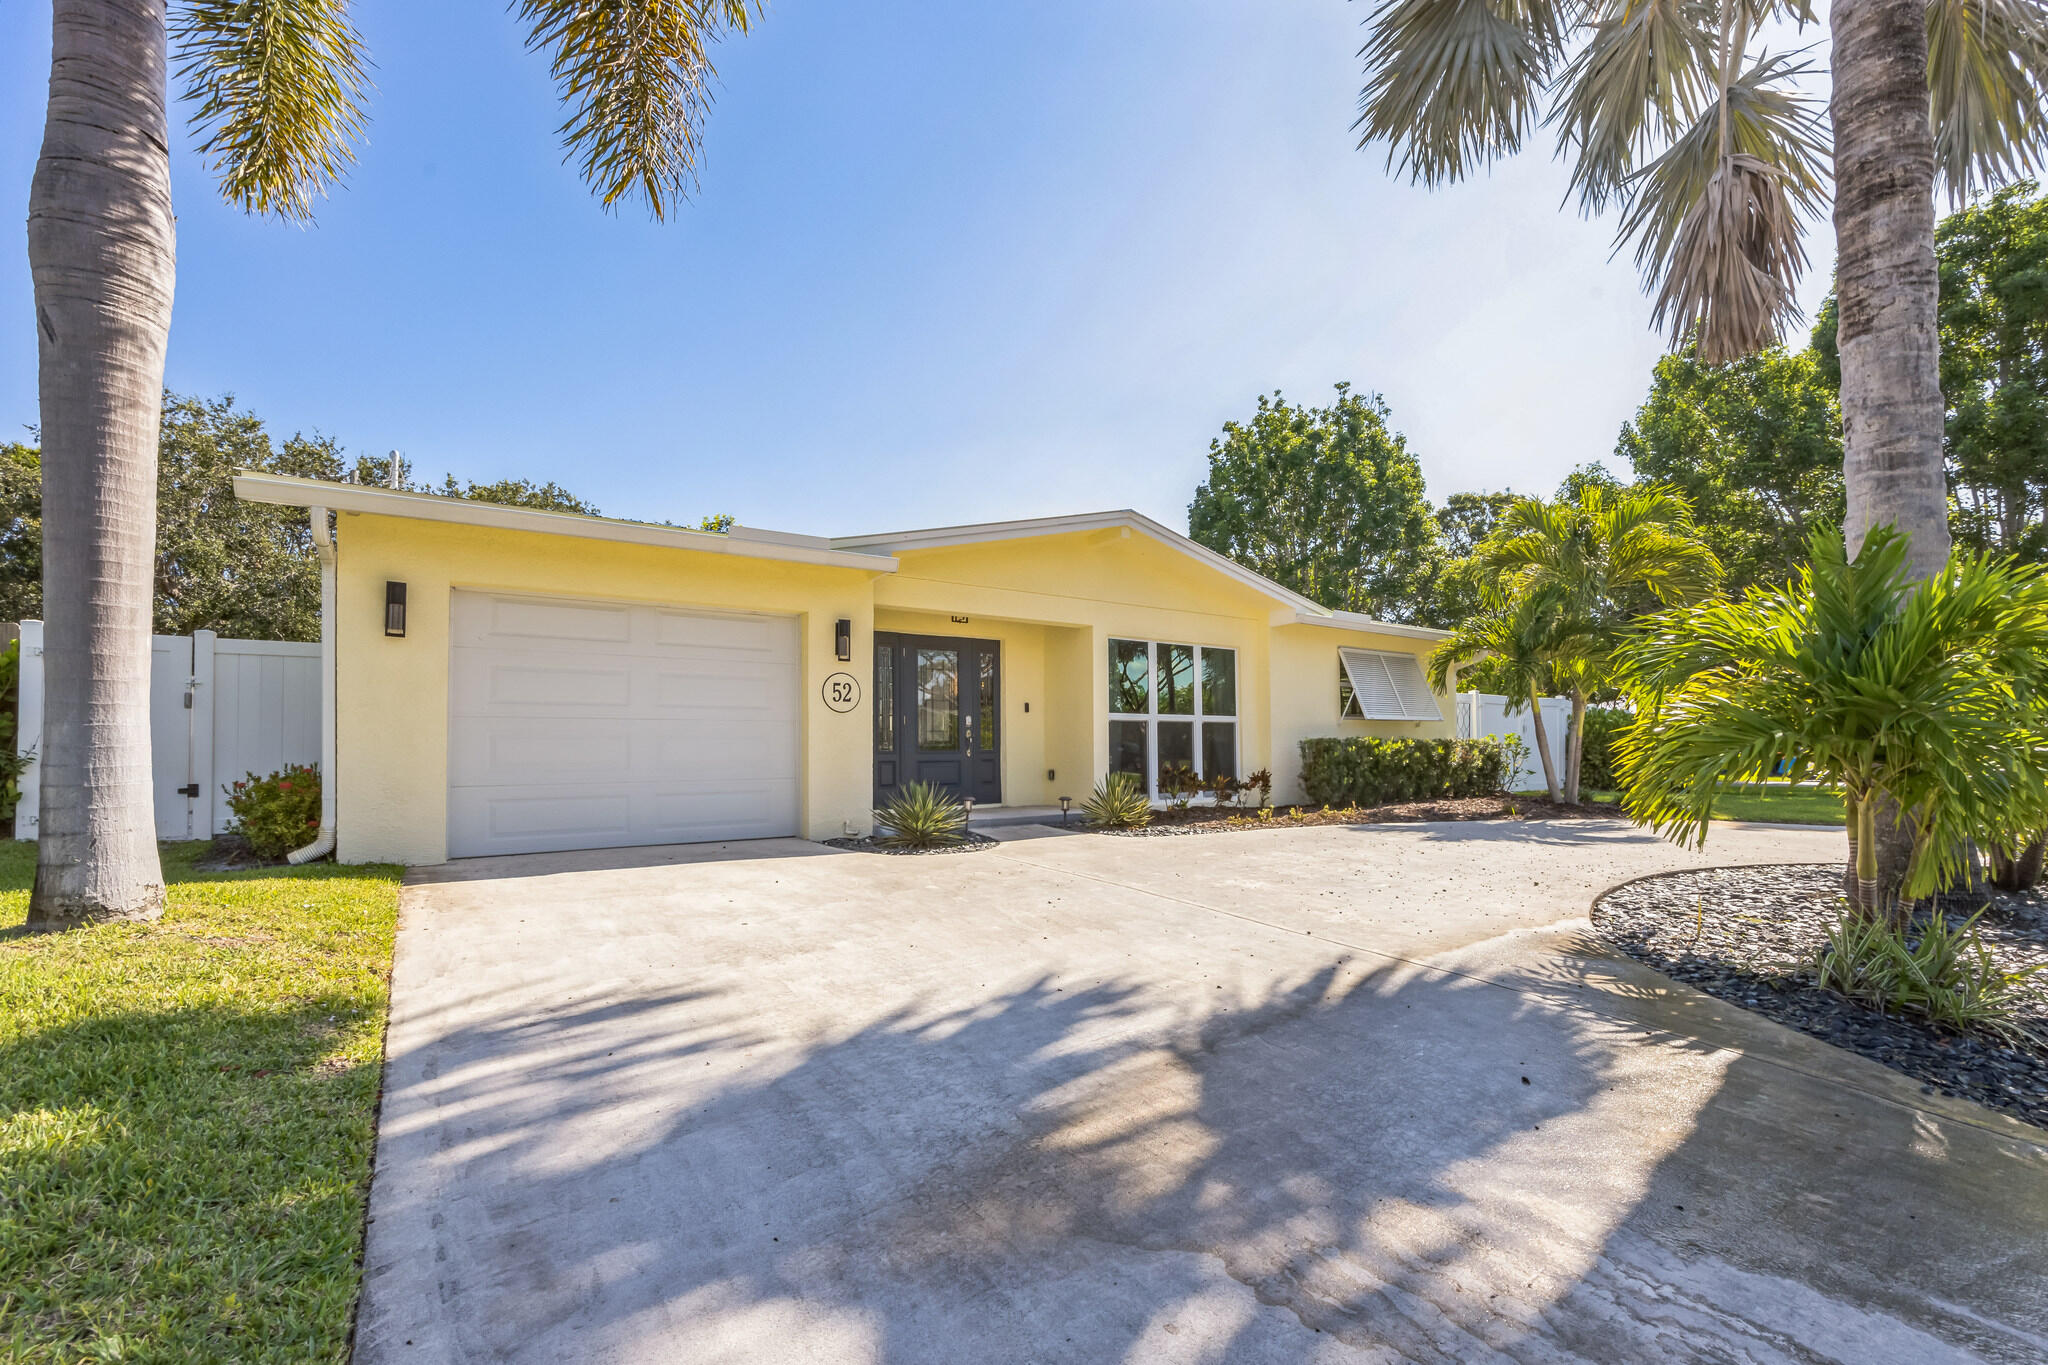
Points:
[[1887, 291], [1575, 748], [1543, 742], [101, 246], [1886, 284]]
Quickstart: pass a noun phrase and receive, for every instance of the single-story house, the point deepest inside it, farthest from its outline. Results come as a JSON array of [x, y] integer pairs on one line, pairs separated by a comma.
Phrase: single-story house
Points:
[[507, 680]]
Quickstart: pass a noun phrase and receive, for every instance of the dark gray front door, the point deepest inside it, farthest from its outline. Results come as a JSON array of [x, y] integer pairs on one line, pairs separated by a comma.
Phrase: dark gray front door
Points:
[[938, 715]]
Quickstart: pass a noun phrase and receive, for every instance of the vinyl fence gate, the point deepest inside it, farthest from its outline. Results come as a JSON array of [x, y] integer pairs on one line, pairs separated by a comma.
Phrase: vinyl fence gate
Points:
[[218, 709], [1481, 714]]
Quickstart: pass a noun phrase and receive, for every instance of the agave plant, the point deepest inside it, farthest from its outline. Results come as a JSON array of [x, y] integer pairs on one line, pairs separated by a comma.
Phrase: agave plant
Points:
[[1118, 802], [1918, 697], [921, 815]]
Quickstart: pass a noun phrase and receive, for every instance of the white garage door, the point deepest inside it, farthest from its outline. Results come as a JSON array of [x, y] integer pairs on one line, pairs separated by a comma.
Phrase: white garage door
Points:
[[596, 725]]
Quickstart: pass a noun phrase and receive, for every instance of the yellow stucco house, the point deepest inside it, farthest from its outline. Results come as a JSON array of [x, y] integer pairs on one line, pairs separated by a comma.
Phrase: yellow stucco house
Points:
[[506, 680]]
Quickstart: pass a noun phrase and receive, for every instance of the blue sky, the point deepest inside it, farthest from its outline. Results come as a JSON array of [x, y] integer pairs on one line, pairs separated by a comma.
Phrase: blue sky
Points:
[[948, 263]]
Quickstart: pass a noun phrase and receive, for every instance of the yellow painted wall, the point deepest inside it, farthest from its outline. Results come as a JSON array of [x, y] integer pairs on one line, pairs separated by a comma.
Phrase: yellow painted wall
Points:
[[392, 694], [1092, 587], [1305, 698]]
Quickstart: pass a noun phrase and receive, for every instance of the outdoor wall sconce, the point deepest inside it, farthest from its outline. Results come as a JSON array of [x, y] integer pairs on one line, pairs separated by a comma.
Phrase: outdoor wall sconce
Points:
[[842, 638], [394, 609]]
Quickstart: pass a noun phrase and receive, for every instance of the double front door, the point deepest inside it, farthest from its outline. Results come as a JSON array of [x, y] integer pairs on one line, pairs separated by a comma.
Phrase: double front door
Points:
[[938, 715]]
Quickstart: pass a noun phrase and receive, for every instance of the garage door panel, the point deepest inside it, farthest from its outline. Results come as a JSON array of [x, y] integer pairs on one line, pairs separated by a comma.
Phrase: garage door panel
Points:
[[632, 725]]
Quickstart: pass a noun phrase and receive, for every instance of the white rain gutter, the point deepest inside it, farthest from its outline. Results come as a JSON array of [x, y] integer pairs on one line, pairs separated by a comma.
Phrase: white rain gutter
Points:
[[323, 545]]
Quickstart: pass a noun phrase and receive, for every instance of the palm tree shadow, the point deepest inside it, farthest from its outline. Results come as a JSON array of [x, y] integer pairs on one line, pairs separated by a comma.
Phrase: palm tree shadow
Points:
[[1391, 1163]]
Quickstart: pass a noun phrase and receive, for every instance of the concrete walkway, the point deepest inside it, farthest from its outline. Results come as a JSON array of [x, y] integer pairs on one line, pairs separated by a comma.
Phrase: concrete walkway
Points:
[[1319, 1095]]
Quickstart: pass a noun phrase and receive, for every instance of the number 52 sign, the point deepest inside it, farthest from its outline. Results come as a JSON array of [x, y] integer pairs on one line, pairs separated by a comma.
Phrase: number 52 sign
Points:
[[841, 692]]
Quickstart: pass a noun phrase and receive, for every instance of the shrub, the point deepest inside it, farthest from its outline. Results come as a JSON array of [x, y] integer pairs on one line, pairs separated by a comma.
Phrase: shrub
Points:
[[922, 815], [1945, 976], [1262, 781], [1177, 782], [1376, 772], [12, 763], [1118, 802], [1596, 759], [278, 813]]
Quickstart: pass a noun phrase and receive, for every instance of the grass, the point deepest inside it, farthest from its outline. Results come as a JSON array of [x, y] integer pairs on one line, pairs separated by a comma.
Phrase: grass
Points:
[[1775, 802], [187, 1112]]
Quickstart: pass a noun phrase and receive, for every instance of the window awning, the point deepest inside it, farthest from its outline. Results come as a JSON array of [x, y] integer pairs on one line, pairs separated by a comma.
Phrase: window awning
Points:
[[1389, 686]]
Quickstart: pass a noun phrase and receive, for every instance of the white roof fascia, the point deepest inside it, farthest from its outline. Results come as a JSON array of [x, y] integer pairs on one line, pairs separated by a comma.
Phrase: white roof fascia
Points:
[[938, 537], [287, 491], [1359, 621]]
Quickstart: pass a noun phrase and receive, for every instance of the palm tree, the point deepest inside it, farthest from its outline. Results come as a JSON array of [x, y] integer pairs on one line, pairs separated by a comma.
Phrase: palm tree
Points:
[[277, 91], [1584, 570], [1920, 697], [1519, 636], [1673, 113]]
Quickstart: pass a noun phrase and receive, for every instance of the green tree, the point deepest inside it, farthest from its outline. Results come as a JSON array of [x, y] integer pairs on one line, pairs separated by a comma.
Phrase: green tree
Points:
[[243, 569], [1517, 640], [1715, 157], [277, 91], [1920, 697], [1994, 370], [1583, 572], [1449, 597], [1325, 501], [1755, 446]]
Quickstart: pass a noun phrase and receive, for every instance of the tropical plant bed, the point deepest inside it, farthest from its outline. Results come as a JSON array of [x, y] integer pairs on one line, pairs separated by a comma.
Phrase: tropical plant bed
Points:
[[1750, 936], [187, 1111], [868, 843], [1213, 819]]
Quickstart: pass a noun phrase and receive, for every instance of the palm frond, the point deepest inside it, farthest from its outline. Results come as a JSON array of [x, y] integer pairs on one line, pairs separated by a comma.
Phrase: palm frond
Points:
[[1717, 225], [1647, 65], [1987, 69], [636, 75], [279, 86], [1452, 85]]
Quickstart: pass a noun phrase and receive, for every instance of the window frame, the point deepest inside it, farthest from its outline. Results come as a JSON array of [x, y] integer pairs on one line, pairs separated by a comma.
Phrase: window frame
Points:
[[1151, 716]]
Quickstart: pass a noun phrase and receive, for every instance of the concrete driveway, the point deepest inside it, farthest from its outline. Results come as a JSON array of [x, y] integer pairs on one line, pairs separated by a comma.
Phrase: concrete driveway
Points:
[[1319, 1095]]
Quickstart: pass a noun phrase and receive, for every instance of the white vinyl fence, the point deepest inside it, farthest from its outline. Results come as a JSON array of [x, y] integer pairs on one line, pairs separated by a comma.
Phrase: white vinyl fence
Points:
[[1481, 714], [218, 709]]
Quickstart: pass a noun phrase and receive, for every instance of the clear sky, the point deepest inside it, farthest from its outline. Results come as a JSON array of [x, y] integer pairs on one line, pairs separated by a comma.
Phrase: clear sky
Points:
[[949, 262]]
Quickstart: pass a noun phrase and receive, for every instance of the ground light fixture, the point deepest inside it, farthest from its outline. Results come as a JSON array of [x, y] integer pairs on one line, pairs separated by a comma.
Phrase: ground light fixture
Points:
[[1065, 803], [842, 639], [394, 609]]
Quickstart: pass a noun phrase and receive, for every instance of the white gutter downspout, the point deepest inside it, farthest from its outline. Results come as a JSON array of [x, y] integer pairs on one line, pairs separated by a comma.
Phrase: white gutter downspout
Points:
[[323, 545]]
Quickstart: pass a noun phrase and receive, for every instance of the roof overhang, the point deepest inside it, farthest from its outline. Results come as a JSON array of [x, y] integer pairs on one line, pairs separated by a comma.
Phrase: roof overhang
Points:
[[1359, 621], [287, 491], [940, 537]]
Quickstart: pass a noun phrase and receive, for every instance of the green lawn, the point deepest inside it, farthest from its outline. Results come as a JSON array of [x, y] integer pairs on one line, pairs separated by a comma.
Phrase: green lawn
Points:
[[187, 1110], [1775, 802]]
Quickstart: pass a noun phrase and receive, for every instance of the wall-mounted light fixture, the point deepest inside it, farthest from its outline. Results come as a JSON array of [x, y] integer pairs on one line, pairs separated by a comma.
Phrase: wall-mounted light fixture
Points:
[[394, 609], [842, 638]]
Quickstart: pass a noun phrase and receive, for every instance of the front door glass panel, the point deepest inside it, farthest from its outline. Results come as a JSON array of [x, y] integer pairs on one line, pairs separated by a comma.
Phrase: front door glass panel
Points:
[[938, 700]]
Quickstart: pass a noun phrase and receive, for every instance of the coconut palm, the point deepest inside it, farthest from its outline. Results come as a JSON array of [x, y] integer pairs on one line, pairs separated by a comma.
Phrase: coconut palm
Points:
[[1674, 114], [1584, 569], [1520, 636], [277, 90], [1919, 696]]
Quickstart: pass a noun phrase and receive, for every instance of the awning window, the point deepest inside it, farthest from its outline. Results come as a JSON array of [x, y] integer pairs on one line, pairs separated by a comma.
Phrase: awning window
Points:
[[1388, 686]]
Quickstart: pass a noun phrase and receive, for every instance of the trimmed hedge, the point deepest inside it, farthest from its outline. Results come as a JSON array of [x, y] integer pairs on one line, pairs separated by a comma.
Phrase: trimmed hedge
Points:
[[1379, 772]]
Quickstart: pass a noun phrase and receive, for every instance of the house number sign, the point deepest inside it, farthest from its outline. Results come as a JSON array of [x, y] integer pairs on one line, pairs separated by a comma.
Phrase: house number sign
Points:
[[842, 692]]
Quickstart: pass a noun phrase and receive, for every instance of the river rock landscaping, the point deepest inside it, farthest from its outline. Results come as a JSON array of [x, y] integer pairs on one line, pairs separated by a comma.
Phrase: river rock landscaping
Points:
[[868, 843], [1211, 819], [1750, 936]]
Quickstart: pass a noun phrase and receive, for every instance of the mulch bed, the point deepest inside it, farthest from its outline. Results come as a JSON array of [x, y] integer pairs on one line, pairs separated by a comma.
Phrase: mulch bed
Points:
[[1749, 936], [1212, 819], [867, 843]]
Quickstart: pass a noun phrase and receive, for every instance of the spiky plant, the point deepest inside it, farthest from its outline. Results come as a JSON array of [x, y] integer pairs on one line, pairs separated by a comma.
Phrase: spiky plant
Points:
[[921, 815], [1118, 802], [1920, 697]]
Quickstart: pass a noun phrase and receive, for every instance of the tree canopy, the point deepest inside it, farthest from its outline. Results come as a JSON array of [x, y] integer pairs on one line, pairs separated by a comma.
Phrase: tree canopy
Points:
[[244, 569], [1325, 501]]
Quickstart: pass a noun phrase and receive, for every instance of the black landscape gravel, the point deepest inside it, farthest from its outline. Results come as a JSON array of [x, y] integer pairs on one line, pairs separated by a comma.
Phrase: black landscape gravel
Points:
[[1749, 935], [971, 843]]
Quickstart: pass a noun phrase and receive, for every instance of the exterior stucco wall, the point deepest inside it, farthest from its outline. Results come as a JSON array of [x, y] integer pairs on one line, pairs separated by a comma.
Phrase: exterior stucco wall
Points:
[[392, 694], [1305, 698]]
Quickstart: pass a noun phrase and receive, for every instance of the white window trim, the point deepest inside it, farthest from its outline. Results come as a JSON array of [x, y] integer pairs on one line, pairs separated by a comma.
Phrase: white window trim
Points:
[[1355, 661], [1151, 715]]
